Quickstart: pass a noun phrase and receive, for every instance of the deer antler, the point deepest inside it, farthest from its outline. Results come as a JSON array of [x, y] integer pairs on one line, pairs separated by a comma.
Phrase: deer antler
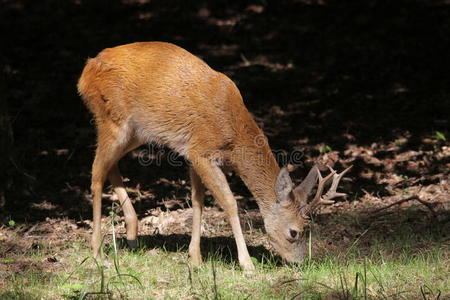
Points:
[[331, 194]]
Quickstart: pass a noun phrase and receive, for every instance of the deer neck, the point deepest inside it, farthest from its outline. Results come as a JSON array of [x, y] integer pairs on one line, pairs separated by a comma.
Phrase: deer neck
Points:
[[257, 167]]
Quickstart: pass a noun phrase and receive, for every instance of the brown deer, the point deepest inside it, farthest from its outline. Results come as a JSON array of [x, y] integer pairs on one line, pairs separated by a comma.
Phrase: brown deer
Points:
[[158, 92]]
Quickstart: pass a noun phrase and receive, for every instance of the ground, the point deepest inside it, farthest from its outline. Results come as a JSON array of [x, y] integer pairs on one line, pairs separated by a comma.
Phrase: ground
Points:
[[393, 247], [361, 83]]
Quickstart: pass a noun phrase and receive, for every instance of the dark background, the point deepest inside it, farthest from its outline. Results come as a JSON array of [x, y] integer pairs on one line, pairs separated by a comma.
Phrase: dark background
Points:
[[343, 74]]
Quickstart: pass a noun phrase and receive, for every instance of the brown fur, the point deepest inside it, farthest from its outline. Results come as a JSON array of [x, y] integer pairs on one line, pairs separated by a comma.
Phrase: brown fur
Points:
[[158, 92]]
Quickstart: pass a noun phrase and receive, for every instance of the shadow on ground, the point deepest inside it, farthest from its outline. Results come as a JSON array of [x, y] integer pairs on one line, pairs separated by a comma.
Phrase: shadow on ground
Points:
[[392, 232], [222, 248]]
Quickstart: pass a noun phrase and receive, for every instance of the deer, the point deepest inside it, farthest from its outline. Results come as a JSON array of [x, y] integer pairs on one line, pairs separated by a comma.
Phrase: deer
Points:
[[157, 92]]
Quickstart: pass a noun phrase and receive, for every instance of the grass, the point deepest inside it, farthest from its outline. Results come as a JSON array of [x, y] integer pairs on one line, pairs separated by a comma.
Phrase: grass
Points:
[[393, 269], [149, 274]]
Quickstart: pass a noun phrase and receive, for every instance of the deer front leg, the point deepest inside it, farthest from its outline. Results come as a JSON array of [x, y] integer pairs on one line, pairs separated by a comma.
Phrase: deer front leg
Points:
[[197, 197], [214, 179]]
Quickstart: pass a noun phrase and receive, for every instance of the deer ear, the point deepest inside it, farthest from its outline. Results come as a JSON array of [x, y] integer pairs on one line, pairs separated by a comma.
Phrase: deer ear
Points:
[[304, 189], [283, 186]]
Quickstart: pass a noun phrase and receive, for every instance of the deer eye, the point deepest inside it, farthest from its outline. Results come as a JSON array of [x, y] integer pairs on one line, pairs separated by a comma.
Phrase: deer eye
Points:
[[293, 233]]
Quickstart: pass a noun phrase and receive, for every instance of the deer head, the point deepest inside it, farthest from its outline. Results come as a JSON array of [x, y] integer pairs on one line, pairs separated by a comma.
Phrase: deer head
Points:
[[289, 220]]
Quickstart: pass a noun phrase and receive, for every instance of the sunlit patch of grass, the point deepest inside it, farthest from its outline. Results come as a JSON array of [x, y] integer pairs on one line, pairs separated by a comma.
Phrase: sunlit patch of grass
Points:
[[166, 274]]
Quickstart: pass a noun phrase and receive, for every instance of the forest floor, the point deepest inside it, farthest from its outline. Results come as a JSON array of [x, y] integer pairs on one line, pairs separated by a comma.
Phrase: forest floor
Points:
[[393, 246]]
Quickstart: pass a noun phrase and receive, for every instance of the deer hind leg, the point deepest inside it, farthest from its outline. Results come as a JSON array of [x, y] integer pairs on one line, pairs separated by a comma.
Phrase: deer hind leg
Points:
[[214, 179], [198, 195], [131, 220], [110, 148]]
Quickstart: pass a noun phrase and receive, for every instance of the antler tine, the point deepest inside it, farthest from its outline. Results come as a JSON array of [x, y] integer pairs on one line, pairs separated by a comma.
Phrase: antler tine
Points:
[[318, 197], [337, 177], [327, 198], [332, 191], [321, 185]]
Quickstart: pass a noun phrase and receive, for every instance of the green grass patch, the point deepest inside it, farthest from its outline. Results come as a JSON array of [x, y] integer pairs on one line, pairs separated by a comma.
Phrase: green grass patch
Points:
[[386, 259], [157, 273]]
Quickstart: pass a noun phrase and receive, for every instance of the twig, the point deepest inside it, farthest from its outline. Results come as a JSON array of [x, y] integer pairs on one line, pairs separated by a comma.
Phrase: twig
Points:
[[395, 203], [37, 237], [429, 205], [31, 230]]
